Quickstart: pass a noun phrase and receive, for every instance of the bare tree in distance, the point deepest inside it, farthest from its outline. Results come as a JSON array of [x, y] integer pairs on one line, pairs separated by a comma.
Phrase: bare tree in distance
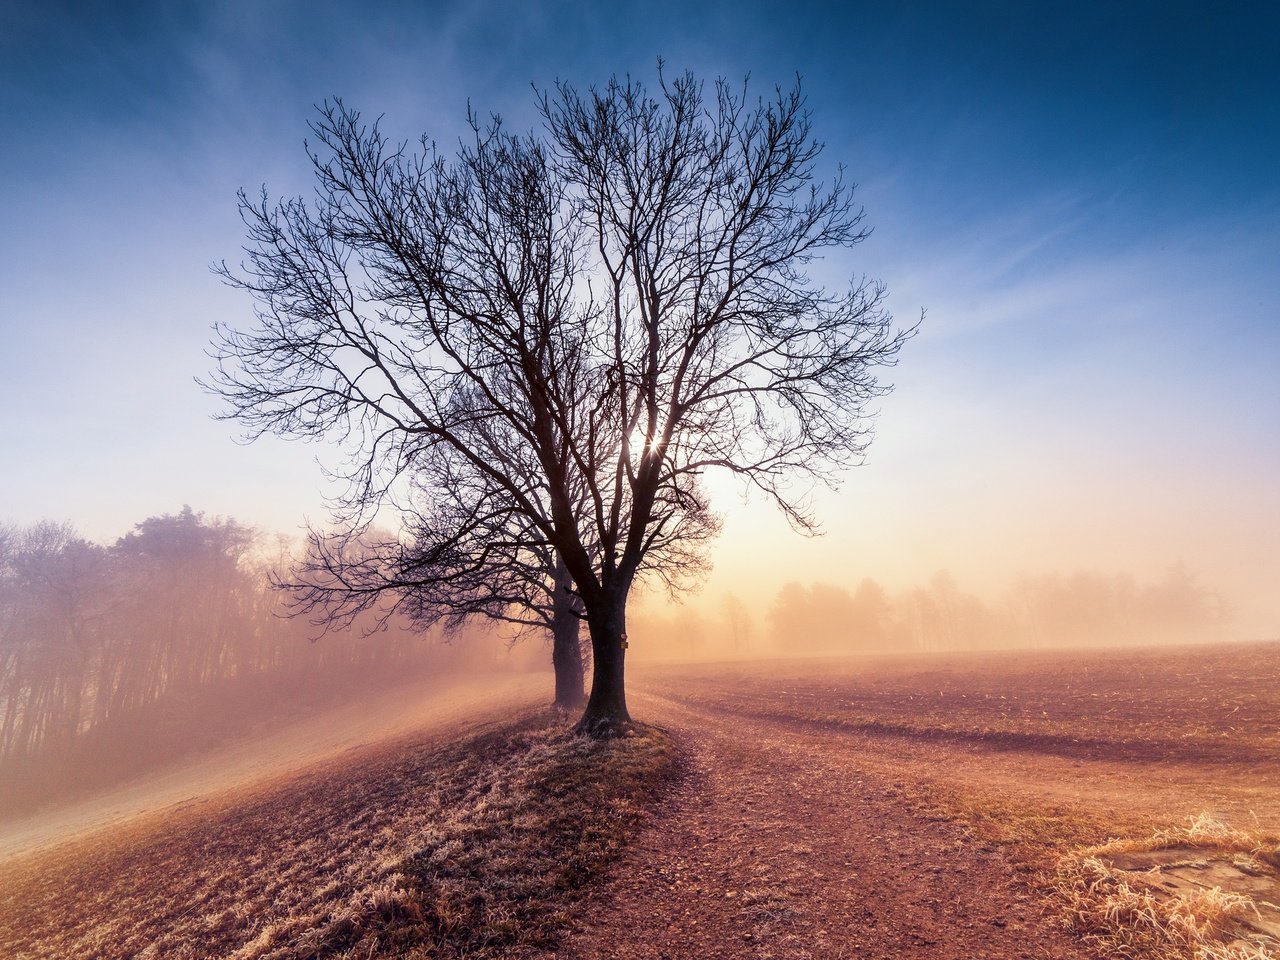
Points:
[[464, 554], [522, 584], [591, 315], [737, 620]]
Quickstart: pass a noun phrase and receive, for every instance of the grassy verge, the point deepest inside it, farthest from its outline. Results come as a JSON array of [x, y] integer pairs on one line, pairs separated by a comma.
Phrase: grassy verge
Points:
[[533, 834], [465, 849]]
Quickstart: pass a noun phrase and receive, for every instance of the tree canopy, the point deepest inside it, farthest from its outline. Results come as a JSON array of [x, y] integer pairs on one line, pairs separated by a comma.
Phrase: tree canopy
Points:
[[553, 335]]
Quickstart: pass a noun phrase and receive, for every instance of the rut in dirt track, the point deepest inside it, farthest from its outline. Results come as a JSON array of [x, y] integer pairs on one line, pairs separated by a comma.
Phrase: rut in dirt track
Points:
[[777, 844]]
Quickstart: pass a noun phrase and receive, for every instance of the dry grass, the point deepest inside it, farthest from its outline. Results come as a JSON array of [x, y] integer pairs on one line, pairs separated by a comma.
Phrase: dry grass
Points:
[[1131, 914], [1128, 916], [1123, 913], [1201, 832], [462, 849]]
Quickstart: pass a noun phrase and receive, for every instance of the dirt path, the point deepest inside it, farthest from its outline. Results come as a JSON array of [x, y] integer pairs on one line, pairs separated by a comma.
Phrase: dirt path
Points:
[[783, 843], [417, 707]]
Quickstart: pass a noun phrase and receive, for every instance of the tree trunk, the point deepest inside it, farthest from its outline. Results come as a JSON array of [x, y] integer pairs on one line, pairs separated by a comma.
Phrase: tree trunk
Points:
[[566, 657], [566, 651], [606, 714]]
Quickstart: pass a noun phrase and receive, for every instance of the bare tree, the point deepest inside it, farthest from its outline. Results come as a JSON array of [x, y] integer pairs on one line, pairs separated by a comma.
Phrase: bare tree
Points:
[[737, 621], [588, 317], [464, 554], [513, 579]]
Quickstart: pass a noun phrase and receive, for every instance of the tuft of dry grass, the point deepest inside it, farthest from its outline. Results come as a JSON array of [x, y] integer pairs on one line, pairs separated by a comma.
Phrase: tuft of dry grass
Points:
[[1121, 913], [429, 849], [1126, 915], [1201, 831], [1131, 914]]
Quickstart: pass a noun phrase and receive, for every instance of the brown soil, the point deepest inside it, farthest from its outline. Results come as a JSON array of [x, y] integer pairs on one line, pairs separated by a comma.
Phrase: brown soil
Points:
[[917, 807], [784, 843]]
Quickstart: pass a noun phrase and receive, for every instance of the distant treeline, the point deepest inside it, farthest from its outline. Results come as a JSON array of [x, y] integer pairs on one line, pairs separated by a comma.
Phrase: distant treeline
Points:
[[96, 637], [91, 634], [1051, 610]]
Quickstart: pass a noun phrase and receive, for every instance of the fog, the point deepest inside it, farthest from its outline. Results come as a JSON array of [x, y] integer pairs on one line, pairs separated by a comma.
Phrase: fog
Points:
[[117, 659], [1084, 608]]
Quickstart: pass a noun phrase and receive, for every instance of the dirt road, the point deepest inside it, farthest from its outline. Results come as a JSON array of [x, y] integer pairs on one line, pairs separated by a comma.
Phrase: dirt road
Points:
[[785, 843]]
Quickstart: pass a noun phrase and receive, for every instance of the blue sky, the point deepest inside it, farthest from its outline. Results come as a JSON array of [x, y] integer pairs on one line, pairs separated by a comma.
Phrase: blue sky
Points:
[[1084, 197]]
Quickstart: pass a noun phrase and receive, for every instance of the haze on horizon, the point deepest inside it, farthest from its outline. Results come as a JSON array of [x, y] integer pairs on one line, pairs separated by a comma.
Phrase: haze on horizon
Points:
[[1083, 201]]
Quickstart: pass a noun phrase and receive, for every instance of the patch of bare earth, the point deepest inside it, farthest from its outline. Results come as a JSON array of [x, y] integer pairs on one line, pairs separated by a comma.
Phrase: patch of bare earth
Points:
[[783, 843]]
